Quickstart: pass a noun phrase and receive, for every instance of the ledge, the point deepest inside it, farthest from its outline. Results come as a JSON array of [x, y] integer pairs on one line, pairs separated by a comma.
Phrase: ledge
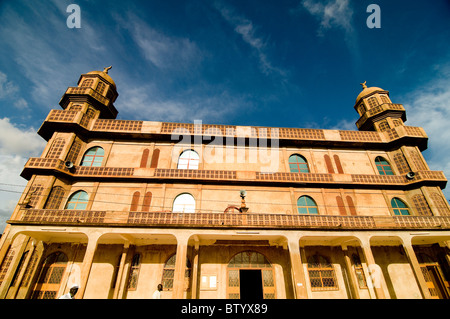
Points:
[[225, 220], [76, 121]]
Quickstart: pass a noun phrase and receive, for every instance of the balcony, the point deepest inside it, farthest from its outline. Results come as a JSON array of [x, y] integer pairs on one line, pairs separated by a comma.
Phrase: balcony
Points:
[[225, 220], [37, 165]]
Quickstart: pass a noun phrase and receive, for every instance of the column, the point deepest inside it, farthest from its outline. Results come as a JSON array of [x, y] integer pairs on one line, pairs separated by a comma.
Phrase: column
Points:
[[298, 276], [195, 270], [407, 246], [123, 258], [87, 264], [375, 277], [180, 267], [351, 274]]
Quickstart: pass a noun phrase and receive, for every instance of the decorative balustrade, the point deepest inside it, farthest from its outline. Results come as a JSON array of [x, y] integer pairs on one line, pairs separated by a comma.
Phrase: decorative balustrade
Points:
[[230, 175], [227, 220], [281, 133]]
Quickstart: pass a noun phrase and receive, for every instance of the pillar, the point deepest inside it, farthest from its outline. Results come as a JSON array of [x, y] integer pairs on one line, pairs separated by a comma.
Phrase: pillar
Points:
[[375, 277], [123, 258], [298, 275], [180, 267], [407, 246], [351, 274], [195, 270], [87, 264]]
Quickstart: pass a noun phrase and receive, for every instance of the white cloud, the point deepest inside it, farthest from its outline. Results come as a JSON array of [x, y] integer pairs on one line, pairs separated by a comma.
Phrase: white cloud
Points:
[[15, 141], [429, 107], [247, 30], [16, 145]]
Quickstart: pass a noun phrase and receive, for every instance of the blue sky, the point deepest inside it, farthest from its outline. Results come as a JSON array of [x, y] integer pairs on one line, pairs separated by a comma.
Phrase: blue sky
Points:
[[250, 62]]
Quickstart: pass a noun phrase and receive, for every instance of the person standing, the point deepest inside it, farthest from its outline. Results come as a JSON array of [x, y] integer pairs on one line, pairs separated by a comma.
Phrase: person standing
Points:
[[72, 292], [157, 293]]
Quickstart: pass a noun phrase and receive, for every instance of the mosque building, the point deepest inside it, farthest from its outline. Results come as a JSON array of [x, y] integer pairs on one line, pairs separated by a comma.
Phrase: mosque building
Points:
[[118, 207]]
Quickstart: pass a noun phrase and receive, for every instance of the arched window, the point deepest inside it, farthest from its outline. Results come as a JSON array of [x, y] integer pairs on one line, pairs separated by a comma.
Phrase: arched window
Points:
[[184, 203], [188, 160], [298, 164], [383, 166], [52, 272], [134, 272], [78, 200], [93, 157], [399, 207], [321, 273], [307, 205], [169, 272]]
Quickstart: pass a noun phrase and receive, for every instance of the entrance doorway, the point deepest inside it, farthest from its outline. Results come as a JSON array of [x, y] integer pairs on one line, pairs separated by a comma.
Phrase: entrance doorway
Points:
[[251, 286], [250, 276]]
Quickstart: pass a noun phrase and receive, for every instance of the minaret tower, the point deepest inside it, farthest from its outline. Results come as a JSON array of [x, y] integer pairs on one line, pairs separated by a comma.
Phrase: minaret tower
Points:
[[95, 95], [376, 110]]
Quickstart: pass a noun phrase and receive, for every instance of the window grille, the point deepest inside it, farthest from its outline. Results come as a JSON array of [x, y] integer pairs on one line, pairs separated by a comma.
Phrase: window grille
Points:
[[55, 198], [373, 102], [169, 273], [321, 274], [360, 277], [134, 272], [87, 83]]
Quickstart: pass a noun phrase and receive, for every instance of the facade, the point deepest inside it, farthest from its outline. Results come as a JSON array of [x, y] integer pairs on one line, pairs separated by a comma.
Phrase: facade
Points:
[[227, 212]]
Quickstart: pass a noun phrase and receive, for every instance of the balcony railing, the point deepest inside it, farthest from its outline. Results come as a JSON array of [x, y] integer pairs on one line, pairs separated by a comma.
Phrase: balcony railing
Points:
[[226, 220], [34, 163]]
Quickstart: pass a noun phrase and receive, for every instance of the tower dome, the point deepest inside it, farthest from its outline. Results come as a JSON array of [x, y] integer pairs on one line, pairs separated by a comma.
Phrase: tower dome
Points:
[[376, 110], [368, 91], [104, 74]]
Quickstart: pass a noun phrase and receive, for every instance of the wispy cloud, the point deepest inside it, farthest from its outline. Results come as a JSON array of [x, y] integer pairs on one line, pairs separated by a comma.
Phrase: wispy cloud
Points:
[[10, 91], [50, 60], [163, 51], [334, 14], [248, 32], [209, 103]]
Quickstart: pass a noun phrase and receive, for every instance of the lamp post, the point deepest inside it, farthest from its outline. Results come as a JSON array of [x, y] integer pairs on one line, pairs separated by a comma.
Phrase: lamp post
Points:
[[243, 208]]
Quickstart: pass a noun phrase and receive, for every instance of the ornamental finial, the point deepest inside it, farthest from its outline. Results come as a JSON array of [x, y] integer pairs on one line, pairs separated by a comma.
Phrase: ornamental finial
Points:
[[364, 85], [105, 70]]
